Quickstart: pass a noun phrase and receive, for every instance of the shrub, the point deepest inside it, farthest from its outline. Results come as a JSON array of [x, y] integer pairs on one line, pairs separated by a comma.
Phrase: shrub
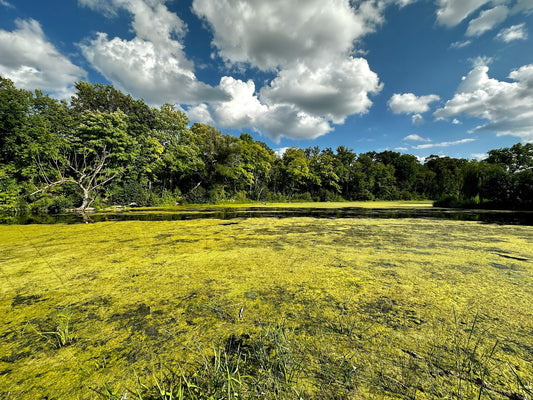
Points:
[[302, 197]]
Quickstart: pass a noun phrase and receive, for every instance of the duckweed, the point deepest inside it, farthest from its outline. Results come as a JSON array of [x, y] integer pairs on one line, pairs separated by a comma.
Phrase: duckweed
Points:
[[288, 308]]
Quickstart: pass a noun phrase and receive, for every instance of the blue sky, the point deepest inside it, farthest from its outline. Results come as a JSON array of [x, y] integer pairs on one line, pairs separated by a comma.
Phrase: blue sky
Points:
[[445, 77]]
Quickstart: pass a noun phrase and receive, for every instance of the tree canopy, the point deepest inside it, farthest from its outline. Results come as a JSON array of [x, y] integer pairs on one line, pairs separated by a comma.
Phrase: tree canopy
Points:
[[106, 148]]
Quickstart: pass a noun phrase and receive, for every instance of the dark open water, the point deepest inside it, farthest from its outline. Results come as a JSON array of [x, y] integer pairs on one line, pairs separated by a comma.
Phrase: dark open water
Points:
[[486, 216]]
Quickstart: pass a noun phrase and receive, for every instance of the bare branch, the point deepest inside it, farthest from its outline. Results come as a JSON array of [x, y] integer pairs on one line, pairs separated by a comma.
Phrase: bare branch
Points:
[[60, 182]]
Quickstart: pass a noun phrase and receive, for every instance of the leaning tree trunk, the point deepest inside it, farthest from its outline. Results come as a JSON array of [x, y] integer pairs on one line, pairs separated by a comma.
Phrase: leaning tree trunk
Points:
[[86, 201]]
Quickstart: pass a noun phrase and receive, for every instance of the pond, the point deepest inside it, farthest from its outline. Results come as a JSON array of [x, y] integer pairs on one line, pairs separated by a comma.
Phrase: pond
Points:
[[169, 214]]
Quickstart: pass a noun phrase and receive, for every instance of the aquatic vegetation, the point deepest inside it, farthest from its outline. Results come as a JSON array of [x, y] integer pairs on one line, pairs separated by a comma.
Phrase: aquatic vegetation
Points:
[[267, 308]]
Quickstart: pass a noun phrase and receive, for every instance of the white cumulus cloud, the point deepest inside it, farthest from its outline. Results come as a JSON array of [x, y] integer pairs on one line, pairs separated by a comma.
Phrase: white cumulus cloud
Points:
[[409, 103], [153, 64], [507, 106], [333, 90], [309, 46], [515, 32], [487, 20], [245, 110], [270, 34], [32, 62]]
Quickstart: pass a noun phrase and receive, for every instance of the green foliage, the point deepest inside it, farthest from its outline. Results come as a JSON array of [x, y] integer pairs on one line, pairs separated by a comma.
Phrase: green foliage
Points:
[[52, 204], [243, 367], [106, 145]]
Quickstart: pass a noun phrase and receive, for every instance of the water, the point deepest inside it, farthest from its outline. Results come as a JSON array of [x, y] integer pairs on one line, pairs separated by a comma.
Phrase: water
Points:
[[485, 216]]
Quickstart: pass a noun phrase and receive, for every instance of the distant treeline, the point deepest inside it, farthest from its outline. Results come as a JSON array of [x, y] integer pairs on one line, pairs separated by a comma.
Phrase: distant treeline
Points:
[[106, 148]]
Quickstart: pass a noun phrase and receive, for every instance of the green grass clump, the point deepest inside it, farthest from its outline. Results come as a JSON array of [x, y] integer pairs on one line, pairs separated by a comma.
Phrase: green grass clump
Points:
[[267, 308]]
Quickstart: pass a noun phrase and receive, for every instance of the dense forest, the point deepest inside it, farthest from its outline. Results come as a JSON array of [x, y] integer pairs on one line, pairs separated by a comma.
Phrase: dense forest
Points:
[[106, 148]]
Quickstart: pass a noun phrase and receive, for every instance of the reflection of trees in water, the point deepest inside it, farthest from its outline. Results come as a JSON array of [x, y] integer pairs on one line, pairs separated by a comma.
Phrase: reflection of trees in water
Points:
[[497, 217]]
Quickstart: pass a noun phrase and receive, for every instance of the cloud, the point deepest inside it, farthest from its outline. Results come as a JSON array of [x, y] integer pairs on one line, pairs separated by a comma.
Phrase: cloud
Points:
[[32, 62], [309, 46], [417, 119], [442, 144], [245, 110], [515, 32], [333, 90], [152, 65], [455, 121], [523, 5], [481, 61], [6, 3], [271, 34], [507, 106], [452, 12], [106, 7], [416, 138], [487, 20], [403, 3], [408, 103], [460, 45], [479, 156], [242, 110]]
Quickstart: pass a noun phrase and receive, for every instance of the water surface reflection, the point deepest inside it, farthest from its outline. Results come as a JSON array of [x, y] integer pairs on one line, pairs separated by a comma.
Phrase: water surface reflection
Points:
[[486, 216]]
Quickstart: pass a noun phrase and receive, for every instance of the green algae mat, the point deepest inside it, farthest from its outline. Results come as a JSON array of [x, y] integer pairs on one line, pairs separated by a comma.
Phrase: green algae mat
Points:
[[267, 308]]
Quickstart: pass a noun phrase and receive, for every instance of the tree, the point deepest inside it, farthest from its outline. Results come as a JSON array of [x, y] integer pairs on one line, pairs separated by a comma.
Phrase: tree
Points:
[[344, 168], [175, 156], [324, 179], [96, 153], [256, 161], [221, 157], [14, 109], [448, 176], [295, 170], [514, 159]]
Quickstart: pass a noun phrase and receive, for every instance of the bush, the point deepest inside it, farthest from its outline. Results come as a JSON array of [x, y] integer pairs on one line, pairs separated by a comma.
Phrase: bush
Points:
[[365, 195], [198, 195], [132, 192], [332, 196], [217, 194], [9, 194], [241, 197], [454, 202], [167, 198], [302, 197], [51, 205], [276, 197], [406, 195]]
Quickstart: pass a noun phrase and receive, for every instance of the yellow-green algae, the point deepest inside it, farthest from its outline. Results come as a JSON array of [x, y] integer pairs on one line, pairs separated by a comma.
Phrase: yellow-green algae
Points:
[[416, 308], [297, 204]]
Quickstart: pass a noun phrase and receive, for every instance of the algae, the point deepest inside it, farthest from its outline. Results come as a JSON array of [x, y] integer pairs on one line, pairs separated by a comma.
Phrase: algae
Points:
[[358, 308]]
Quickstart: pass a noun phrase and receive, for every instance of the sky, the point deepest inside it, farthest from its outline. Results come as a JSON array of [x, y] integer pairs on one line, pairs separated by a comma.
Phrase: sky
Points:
[[422, 77]]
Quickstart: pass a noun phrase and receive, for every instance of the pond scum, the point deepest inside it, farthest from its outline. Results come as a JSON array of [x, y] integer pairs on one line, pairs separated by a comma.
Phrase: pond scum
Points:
[[267, 309]]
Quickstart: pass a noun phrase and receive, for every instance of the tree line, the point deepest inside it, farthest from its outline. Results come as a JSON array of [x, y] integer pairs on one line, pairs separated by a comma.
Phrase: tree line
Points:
[[106, 148]]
